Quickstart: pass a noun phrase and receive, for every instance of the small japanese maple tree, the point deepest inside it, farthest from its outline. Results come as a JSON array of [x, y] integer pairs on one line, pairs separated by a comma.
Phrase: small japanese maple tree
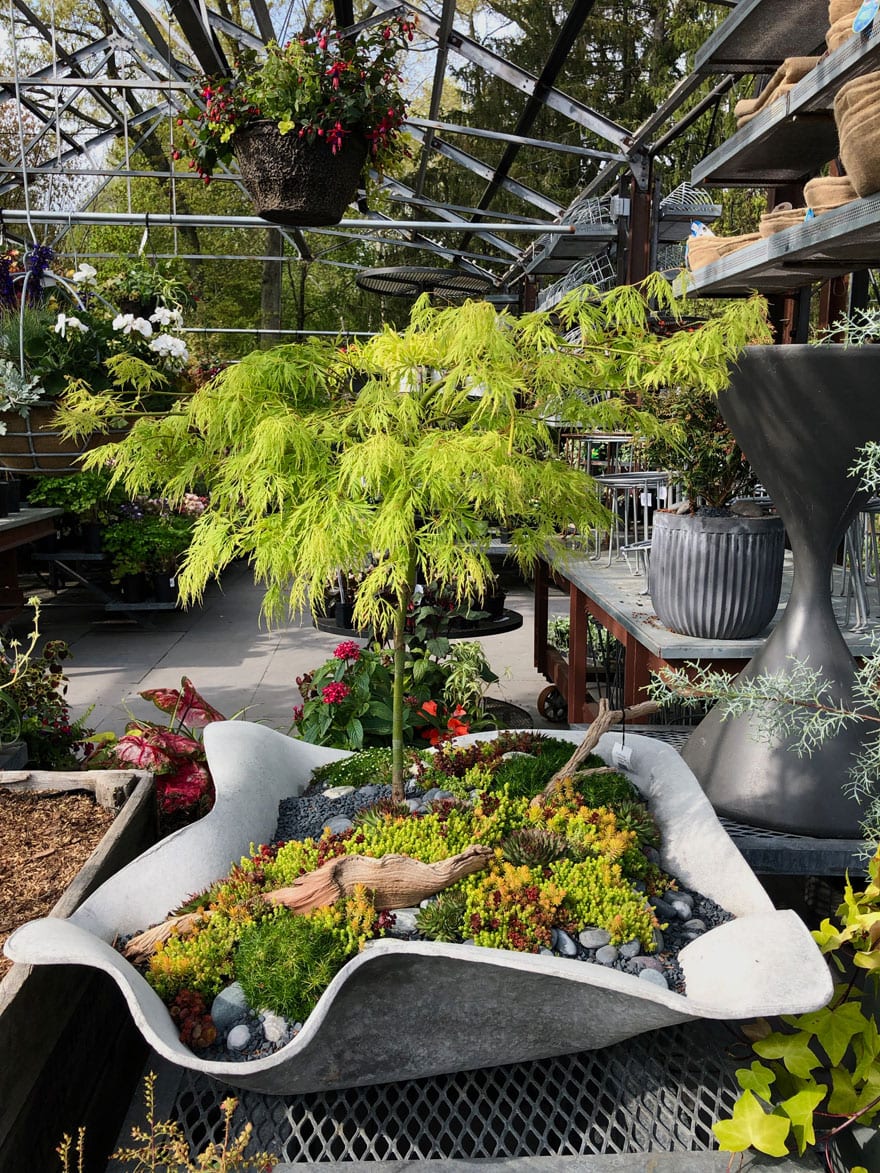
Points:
[[402, 448]]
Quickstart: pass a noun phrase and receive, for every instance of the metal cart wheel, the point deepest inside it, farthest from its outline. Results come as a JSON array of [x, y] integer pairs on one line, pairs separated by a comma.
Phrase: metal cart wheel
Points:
[[552, 705]]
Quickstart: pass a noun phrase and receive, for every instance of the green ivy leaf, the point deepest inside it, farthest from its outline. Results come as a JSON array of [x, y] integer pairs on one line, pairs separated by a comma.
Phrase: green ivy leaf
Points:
[[794, 1051], [799, 1109], [866, 1048], [752, 1127], [835, 1028], [757, 1079]]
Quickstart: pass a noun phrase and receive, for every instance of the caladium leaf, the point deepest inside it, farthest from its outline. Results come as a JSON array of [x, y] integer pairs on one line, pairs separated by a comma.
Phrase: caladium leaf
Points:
[[137, 751], [185, 704], [184, 787]]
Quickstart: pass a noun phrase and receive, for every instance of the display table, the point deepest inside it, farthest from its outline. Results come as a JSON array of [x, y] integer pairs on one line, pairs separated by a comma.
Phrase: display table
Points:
[[617, 600], [19, 529]]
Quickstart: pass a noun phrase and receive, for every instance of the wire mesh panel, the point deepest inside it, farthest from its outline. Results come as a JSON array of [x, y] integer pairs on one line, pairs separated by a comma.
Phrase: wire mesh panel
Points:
[[658, 1092]]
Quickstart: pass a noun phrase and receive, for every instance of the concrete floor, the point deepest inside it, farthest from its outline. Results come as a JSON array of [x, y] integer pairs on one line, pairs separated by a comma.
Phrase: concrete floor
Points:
[[239, 665]]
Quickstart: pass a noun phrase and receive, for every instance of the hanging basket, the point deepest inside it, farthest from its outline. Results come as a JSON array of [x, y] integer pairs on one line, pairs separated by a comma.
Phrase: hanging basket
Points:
[[291, 181], [33, 444]]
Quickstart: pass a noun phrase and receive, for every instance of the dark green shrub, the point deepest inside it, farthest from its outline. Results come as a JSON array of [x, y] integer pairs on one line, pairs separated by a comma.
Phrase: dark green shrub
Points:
[[605, 789]]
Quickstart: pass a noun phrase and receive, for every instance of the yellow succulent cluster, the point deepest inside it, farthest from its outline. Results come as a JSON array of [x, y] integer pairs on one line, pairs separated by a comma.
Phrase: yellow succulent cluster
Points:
[[201, 961]]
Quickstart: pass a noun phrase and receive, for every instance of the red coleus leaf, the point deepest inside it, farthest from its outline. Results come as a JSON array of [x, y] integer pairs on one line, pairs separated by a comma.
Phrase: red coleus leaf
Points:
[[185, 704]]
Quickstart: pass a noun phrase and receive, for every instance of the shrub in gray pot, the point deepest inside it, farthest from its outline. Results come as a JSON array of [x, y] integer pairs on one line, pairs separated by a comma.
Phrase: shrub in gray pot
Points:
[[714, 573]]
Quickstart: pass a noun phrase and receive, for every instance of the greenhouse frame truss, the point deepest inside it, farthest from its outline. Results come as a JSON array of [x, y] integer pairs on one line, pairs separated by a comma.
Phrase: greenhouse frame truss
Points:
[[122, 87]]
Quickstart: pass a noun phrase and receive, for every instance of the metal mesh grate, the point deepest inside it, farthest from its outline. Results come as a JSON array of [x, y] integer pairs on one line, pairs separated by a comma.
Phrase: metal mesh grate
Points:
[[658, 1092]]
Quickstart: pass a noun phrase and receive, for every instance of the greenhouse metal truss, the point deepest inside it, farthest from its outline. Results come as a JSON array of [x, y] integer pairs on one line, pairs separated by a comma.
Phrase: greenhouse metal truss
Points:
[[137, 77]]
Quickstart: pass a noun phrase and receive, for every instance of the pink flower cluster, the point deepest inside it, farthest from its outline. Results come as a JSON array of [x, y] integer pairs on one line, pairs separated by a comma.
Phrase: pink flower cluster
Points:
[[347, 650], [335, 692]]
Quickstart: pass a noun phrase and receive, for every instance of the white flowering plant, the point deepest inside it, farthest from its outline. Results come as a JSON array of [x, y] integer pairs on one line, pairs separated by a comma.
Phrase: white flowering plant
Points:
[[78, 344]]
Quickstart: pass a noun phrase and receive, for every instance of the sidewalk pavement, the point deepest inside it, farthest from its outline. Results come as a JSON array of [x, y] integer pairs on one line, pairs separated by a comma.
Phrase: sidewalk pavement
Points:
[[237, 663]]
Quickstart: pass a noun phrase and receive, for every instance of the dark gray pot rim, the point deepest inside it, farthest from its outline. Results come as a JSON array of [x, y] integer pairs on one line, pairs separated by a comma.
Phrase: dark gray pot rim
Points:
[[732, 523]]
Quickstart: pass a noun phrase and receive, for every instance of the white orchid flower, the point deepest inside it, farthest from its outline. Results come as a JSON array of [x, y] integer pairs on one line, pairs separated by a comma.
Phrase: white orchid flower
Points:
[[85, 275], [65, 322]]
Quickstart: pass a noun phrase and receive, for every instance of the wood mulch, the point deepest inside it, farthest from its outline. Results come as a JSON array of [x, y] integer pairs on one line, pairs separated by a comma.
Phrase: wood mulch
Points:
[[45, 839]]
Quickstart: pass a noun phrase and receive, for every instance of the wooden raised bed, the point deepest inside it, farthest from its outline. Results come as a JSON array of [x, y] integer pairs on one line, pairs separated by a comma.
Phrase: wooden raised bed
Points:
[[69, 1053]]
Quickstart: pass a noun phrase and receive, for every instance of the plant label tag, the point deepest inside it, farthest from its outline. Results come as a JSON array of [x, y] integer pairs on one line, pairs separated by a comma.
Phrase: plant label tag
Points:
[[661, 493], [621, 755], [646, 499], [865, 15], [172, 581]]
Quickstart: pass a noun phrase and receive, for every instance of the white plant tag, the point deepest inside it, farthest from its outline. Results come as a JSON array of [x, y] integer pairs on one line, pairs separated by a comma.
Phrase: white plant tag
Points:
[[621, 755], [646, 499], [661, 493]]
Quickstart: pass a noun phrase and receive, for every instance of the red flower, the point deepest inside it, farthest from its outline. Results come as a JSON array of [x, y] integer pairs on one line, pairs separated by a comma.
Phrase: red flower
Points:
[[457, 728], [430, 707], [335, 692], [347, 650]]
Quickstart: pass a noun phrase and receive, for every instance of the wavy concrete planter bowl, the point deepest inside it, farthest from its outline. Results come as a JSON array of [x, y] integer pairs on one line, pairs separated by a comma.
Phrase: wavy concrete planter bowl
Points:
[[406, 1009]]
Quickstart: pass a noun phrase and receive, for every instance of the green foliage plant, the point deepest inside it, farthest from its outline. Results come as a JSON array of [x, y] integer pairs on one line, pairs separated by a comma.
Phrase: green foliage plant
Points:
[[161, 1146], [317, 86], [86, 494], [33, 704], [307, 475], [818, 1074], [285, 962]]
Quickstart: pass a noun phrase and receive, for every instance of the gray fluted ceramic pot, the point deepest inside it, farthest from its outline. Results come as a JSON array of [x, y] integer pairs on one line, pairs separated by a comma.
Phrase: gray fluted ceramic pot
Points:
[[716, 577], [799, 413]]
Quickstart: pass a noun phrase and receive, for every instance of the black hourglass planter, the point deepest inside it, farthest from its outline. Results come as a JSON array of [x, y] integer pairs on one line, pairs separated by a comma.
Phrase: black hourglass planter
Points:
[[799, 414]]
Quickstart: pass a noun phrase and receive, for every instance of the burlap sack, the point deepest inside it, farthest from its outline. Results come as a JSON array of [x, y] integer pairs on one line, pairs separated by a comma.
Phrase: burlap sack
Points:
[[839, 9], [703, 250], [782, 217], [857, 114], [841, 30], [829, 191], [787, 75]]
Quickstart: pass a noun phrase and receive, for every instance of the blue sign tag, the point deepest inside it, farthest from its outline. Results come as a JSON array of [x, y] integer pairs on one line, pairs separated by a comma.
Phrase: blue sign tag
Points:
[[811, 215], [865, 15]]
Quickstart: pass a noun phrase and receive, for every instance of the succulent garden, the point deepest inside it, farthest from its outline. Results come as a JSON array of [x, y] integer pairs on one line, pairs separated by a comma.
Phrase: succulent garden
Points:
[[526, 847]]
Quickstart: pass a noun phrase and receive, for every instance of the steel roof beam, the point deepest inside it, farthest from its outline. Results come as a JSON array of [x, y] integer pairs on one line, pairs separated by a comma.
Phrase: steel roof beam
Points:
[[194, 21], [520, 140], [519, 78], [486, 172]]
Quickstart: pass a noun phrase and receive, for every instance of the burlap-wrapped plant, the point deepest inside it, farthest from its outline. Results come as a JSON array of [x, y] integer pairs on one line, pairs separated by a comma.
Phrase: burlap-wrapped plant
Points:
[[706, 249], [857, 114]]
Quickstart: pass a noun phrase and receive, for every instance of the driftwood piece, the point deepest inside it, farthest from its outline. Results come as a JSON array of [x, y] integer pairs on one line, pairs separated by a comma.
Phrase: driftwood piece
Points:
[[395, 881], [605, 718]]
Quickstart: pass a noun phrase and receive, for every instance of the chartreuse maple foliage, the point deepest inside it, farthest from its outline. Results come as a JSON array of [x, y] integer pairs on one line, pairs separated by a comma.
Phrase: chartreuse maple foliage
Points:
[[403, 448], [822, 1072]]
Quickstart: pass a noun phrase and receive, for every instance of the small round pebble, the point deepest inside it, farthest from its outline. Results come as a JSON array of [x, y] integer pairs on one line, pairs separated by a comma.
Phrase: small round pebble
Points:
[[607, 955], [564, 944], [238, 1038], [229, 1008], [682, 911], [685, 897], [663, 910], [413, 803], [637, 964], [333, 792], [593, 938], [339, 823], [630, 949], [404, 923], [275, 1028], [658, 941], [545, 952], [654, 978], [694, 925]]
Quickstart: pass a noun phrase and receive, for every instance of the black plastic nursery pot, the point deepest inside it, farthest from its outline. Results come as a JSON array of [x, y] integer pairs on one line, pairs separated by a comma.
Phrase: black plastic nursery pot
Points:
[[70, 1055]]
